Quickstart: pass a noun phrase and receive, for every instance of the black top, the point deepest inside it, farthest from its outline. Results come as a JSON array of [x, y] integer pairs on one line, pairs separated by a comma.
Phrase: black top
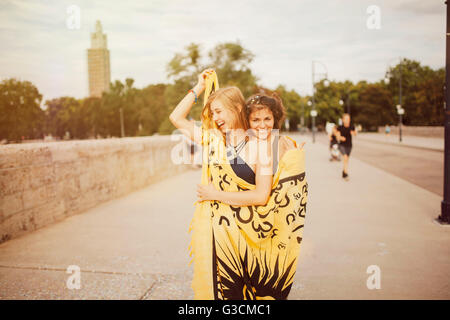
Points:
[[245, 172], [345, 132]]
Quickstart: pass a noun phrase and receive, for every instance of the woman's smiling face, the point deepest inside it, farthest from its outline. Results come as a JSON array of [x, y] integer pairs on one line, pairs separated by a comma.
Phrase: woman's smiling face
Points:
[[223, 117], [261, 122]]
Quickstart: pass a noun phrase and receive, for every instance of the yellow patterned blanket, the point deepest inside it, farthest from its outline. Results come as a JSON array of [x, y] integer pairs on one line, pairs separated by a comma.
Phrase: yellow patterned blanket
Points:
[[247, 252]]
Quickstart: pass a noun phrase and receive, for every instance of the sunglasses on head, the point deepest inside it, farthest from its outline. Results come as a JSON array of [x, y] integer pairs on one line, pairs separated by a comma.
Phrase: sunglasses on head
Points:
[[255, 100], [263, 100]]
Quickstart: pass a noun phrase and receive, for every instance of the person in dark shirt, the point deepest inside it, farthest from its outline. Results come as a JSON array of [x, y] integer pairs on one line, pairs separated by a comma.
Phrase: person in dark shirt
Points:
[[344, 136]]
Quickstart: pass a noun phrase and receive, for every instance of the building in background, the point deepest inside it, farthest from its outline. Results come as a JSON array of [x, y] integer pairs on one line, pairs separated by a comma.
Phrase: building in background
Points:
[[98, 63]]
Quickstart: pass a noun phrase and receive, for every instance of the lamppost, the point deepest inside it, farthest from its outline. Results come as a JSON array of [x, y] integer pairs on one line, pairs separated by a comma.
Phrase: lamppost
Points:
[[122, 128], [347, 100], [286, 124], [400, 110], [313, 111], [302, 119], [444, 218], [309, 103]]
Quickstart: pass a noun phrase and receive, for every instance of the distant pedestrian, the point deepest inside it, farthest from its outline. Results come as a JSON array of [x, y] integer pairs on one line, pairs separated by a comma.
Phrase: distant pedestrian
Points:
[[194, 149], [344, 136], [387, 129], [334, 145]]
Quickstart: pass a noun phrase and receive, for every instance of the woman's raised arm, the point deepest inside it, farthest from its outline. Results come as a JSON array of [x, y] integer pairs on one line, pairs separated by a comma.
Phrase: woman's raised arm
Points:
[[178, 117]]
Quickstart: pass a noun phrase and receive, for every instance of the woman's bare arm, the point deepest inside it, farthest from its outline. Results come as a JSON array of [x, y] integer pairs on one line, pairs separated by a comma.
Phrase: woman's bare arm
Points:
[[178, 117], [287, 144], [257, 197]]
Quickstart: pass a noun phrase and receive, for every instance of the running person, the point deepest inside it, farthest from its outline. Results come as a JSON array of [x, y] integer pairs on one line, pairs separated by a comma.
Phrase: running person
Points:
[[344, 135]]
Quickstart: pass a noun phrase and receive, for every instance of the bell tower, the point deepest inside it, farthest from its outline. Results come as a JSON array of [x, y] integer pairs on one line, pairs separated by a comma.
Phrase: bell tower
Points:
[[98, 63]]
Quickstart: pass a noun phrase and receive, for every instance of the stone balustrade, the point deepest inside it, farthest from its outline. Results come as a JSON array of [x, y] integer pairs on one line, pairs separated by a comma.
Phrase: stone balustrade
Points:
[[45, 182]]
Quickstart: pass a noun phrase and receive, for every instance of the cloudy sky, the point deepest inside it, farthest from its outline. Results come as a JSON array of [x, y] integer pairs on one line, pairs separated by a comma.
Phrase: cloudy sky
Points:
[[285, 36]]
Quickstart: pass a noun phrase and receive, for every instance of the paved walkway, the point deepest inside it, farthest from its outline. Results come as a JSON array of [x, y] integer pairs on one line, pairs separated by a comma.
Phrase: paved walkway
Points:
[[407, 141], [135, 247]]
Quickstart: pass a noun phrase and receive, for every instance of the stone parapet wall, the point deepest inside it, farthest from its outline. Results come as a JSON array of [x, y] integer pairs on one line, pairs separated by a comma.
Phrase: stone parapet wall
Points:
[[41, 183]]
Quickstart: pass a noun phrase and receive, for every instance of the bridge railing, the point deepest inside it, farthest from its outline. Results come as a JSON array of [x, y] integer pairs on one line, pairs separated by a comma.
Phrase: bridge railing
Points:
[[41, 183]]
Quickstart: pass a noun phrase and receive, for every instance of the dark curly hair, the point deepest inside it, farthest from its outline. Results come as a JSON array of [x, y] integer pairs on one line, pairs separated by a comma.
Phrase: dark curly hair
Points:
[[272, 101]]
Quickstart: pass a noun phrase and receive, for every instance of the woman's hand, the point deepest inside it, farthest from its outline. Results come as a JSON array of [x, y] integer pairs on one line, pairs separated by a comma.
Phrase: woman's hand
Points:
[[200, 87], [208, 192]]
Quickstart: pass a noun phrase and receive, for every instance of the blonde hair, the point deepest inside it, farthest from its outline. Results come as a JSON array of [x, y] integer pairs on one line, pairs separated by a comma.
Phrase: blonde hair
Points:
[[232, 99]]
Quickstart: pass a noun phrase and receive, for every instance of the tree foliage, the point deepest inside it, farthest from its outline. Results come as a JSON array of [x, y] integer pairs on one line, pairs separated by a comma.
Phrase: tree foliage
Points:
[[145, 111], [20, 114], [422, 92]]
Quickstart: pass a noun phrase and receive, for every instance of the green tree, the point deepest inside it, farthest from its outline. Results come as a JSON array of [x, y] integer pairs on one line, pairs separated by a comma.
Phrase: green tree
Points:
[[90, 116], [20, 112], [152, 108], [186, 65], [62, 115], [120, 96], [229, 60], [428, 99], [294, 106], [374, 107], [327, 101], [422, 92]]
